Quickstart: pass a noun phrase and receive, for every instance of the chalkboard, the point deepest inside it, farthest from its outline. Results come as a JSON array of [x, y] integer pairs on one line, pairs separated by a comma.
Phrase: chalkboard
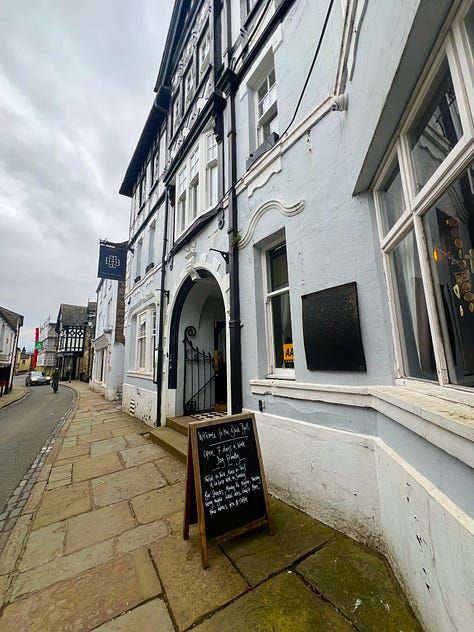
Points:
[[225, 484]]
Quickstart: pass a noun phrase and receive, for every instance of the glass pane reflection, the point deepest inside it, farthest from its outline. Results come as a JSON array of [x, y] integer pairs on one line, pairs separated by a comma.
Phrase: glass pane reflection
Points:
[[449, 226], [417, 349], [393, 203], [436, 131]]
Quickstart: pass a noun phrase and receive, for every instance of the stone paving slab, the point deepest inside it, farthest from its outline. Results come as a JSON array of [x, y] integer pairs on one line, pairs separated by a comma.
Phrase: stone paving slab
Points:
[[58, 504], [88, 600], [98, 525], [258, 555], [60, 569], [126, 484], [282, 604], [107, 446], [95, 467], [362, 585], [192, 591], [151, 617], [43, 546], [159, 503], [141, 454]]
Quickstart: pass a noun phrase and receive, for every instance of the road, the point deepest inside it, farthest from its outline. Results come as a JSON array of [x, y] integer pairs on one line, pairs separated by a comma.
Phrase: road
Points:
[[24, 429]]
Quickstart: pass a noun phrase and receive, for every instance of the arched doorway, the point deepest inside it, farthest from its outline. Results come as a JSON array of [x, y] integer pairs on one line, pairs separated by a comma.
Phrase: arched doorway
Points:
[[197, 347]]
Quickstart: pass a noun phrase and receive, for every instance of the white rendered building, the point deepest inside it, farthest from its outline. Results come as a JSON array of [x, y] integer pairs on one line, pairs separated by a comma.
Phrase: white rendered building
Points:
[[108, 344], [302, 219]]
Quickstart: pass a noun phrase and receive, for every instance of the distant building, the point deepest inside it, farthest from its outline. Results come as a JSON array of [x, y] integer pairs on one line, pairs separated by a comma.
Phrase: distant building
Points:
[[23, 361], [10, 324], [47, 354], [74, 326], [108, 345]]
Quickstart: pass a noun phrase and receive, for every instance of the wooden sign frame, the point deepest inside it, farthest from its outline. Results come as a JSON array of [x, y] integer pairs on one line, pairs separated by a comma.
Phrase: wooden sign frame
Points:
[[194, 510]]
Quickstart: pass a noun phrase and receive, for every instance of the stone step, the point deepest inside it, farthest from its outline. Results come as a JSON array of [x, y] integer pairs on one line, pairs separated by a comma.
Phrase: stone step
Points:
[[174, 442], [179, 424]]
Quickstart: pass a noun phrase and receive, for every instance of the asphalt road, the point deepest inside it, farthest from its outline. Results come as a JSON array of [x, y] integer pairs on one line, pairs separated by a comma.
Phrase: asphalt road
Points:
[[24, 429]]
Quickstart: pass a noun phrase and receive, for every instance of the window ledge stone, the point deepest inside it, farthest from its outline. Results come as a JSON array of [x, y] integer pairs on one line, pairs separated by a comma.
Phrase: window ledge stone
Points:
[[449, 425]]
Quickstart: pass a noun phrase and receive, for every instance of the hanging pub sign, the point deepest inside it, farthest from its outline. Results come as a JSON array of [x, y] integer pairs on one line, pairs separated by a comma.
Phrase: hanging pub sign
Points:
[[112, 261], [226, 493]]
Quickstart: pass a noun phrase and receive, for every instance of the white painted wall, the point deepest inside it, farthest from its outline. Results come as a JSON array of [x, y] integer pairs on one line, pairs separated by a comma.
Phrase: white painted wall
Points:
[[358, 484]]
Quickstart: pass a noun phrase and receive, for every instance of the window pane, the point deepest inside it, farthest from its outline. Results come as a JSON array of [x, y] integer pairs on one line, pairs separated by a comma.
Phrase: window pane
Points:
[[417, 349], [211, 147], [437, 129], [392, 202], [281, 329], [449, 226], [212, 184], [278, 268], [469, 21]]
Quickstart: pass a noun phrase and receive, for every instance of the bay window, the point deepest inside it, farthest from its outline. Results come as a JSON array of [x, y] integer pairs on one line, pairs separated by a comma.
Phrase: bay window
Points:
[[424, 199]]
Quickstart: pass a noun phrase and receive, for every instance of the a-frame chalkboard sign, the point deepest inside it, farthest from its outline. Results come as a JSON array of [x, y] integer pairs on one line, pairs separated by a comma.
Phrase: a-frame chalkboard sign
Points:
[[226, 492]]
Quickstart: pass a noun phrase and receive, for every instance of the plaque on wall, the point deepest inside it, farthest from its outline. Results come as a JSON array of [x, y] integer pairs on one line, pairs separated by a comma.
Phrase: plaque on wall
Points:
[[331, 330]]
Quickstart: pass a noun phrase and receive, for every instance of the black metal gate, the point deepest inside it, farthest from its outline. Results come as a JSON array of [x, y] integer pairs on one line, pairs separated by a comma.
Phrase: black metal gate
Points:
[[199, 377]]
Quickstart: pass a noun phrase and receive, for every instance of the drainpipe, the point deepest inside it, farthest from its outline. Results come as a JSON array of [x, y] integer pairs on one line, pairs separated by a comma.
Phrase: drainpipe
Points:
[[233, 230], [163, 294]]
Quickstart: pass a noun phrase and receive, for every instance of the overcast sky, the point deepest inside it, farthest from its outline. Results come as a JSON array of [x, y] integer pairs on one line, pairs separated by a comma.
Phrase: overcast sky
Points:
[[76, 86]]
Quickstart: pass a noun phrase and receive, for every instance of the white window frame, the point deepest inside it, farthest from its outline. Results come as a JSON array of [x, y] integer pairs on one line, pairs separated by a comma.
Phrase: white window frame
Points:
[[204, 52], [153, 351], [156, 166], [189, 84], [266, 106], [192, 199], [273, 371], [138, 259], [151, 243], [142, 332], [176, 111], [456, 50], [212, 191]]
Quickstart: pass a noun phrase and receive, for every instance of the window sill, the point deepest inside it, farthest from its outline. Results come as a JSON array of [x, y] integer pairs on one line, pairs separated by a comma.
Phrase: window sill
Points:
[[144, 374], [447, 425]]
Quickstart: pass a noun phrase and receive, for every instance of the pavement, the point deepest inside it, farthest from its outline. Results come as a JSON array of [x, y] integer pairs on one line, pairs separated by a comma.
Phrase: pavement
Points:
[[99, 546], [17, 392]]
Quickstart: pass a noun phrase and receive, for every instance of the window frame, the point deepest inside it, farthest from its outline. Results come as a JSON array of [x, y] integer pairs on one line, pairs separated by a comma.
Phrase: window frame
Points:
[[455, 49], [271, 112], [211, 168], [204, 62], [192, 199], [268, 294], [141, 348]]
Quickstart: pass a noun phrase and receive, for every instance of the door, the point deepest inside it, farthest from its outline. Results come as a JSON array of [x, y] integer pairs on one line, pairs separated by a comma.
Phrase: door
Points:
[[220, 366]]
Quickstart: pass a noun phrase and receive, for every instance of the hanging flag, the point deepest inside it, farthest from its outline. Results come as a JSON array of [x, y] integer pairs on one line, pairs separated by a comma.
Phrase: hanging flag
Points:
[[112, 261]]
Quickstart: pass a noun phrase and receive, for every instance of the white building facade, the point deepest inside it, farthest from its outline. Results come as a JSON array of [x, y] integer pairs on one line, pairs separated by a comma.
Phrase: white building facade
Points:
[[10, 325], [303, 225], [109, 342], [48, 336]]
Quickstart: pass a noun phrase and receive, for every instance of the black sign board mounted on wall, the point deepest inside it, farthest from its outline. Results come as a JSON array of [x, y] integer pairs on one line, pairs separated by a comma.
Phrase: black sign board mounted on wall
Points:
[[226, 492], [331, 330]]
